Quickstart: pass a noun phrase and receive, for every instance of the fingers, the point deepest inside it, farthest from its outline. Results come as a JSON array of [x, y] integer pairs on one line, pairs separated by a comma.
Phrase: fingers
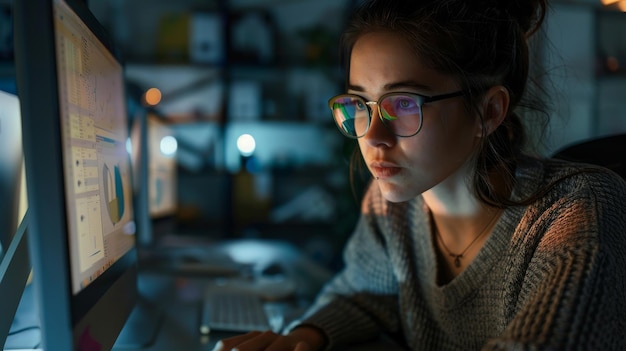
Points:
[[268, 341], [302, 347], [258, 342], [229, 343], [251, 341]]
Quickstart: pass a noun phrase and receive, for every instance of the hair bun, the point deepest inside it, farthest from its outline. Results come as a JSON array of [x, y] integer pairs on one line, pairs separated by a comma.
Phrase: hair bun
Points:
[[529, 14]]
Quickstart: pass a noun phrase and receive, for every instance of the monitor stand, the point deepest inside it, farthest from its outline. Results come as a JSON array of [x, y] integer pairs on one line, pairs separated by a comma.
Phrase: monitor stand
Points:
[[142, 326]]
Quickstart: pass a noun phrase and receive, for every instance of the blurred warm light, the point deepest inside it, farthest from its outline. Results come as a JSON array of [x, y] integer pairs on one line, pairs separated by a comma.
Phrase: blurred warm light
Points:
[[612, 64], [152, 97], [621, 4]]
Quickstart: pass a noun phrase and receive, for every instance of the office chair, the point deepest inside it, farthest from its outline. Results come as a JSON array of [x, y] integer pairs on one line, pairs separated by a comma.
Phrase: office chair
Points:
[[606, 151]]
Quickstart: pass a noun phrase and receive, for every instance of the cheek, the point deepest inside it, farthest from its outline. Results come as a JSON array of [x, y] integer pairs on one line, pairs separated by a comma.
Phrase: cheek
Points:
[[364, 148], [451, 125], [445, 141]]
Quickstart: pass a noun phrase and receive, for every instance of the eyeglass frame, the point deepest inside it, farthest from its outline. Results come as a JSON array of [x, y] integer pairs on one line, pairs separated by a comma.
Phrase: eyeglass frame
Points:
[[424, 99]]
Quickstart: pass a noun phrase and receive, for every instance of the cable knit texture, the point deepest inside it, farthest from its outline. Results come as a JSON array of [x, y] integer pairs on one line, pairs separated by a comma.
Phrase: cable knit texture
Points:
[[551, 276]]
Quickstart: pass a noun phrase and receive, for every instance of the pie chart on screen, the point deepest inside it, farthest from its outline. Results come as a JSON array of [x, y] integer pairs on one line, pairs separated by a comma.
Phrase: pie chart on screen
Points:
[[113, 192]]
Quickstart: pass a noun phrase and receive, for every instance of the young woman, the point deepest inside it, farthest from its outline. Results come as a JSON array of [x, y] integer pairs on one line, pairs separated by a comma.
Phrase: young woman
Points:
[[464, 241]]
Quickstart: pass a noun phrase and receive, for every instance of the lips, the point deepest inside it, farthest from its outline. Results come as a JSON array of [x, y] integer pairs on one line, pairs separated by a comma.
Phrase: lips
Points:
[[381, 170]]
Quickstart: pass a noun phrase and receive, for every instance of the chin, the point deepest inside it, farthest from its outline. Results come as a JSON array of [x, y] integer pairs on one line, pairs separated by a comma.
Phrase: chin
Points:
[[393, 193]]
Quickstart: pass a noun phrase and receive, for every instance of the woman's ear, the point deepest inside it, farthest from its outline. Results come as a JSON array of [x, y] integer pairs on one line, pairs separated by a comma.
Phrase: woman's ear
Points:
[[495, 108]]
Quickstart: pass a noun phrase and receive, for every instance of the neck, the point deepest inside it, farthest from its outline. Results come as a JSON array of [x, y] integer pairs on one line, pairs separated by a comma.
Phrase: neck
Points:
[[459, 240], [459, 231], [453, 197]]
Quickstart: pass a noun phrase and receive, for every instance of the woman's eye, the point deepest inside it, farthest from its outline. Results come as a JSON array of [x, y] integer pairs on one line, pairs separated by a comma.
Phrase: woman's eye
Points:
[[405, 103]]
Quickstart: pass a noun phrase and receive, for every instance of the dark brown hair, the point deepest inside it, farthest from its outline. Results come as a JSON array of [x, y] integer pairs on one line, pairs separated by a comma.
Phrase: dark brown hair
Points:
[[482, 44]]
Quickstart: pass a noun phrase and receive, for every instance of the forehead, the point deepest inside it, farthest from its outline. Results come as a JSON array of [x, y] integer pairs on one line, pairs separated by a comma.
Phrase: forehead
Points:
[[379, 61]]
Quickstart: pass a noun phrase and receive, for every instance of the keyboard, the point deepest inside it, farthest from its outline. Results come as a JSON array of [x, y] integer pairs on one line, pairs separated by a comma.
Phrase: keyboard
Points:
[[233, 311]]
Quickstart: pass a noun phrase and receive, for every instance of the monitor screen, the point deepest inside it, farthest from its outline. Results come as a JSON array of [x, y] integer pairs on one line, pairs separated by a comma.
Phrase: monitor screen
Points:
[[162, 168], [153, 149], [75, 128]]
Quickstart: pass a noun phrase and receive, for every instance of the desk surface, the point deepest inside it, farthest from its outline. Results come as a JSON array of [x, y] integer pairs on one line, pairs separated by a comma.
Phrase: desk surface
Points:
[[167, 316], [179, 297], [176, 289]]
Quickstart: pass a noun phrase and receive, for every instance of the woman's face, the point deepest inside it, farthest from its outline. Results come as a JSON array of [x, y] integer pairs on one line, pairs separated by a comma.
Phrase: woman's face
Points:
[[405, 167]]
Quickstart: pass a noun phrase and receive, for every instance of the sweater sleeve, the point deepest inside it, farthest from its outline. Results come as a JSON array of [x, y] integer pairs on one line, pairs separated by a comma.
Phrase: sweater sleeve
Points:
[[361, 300], [573, 291]]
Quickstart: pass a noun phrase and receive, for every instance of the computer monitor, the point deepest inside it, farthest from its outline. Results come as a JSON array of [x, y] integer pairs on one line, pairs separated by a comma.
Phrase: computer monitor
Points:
[[74, 121], [162, 168], [155, 170]]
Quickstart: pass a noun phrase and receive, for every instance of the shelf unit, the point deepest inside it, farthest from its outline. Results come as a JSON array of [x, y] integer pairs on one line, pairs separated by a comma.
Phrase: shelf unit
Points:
[[275, 68], [268, 63]]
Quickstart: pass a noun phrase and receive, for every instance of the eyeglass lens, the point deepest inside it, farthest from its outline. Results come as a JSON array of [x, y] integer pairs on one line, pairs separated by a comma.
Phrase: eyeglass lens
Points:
[[401, 113]]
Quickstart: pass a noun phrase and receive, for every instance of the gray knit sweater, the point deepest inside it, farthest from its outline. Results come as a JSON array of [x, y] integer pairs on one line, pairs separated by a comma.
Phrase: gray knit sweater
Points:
[[552, 276]]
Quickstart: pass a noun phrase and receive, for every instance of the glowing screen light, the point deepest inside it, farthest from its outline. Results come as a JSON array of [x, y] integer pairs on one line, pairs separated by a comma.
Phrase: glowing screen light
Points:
[[246, 144]]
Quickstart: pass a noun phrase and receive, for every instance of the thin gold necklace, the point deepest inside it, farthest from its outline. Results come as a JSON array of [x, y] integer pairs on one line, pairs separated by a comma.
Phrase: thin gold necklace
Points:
[[458, 257]]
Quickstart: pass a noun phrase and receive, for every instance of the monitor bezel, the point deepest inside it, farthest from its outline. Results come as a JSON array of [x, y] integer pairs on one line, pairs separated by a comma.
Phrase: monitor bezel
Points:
[[65, 317]]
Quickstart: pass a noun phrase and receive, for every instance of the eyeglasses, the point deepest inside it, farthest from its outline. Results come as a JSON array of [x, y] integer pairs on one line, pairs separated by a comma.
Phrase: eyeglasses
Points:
[[401, 113]]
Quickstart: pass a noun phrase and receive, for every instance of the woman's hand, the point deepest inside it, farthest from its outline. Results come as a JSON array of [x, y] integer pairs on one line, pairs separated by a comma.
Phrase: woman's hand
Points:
[[300, 339]]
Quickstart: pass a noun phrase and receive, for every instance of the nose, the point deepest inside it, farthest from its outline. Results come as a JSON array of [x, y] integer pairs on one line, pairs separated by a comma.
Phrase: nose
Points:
[[378, 135]]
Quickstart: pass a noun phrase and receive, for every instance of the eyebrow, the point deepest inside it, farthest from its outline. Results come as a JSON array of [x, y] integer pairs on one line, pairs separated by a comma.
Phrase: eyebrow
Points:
[[395, 86]]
